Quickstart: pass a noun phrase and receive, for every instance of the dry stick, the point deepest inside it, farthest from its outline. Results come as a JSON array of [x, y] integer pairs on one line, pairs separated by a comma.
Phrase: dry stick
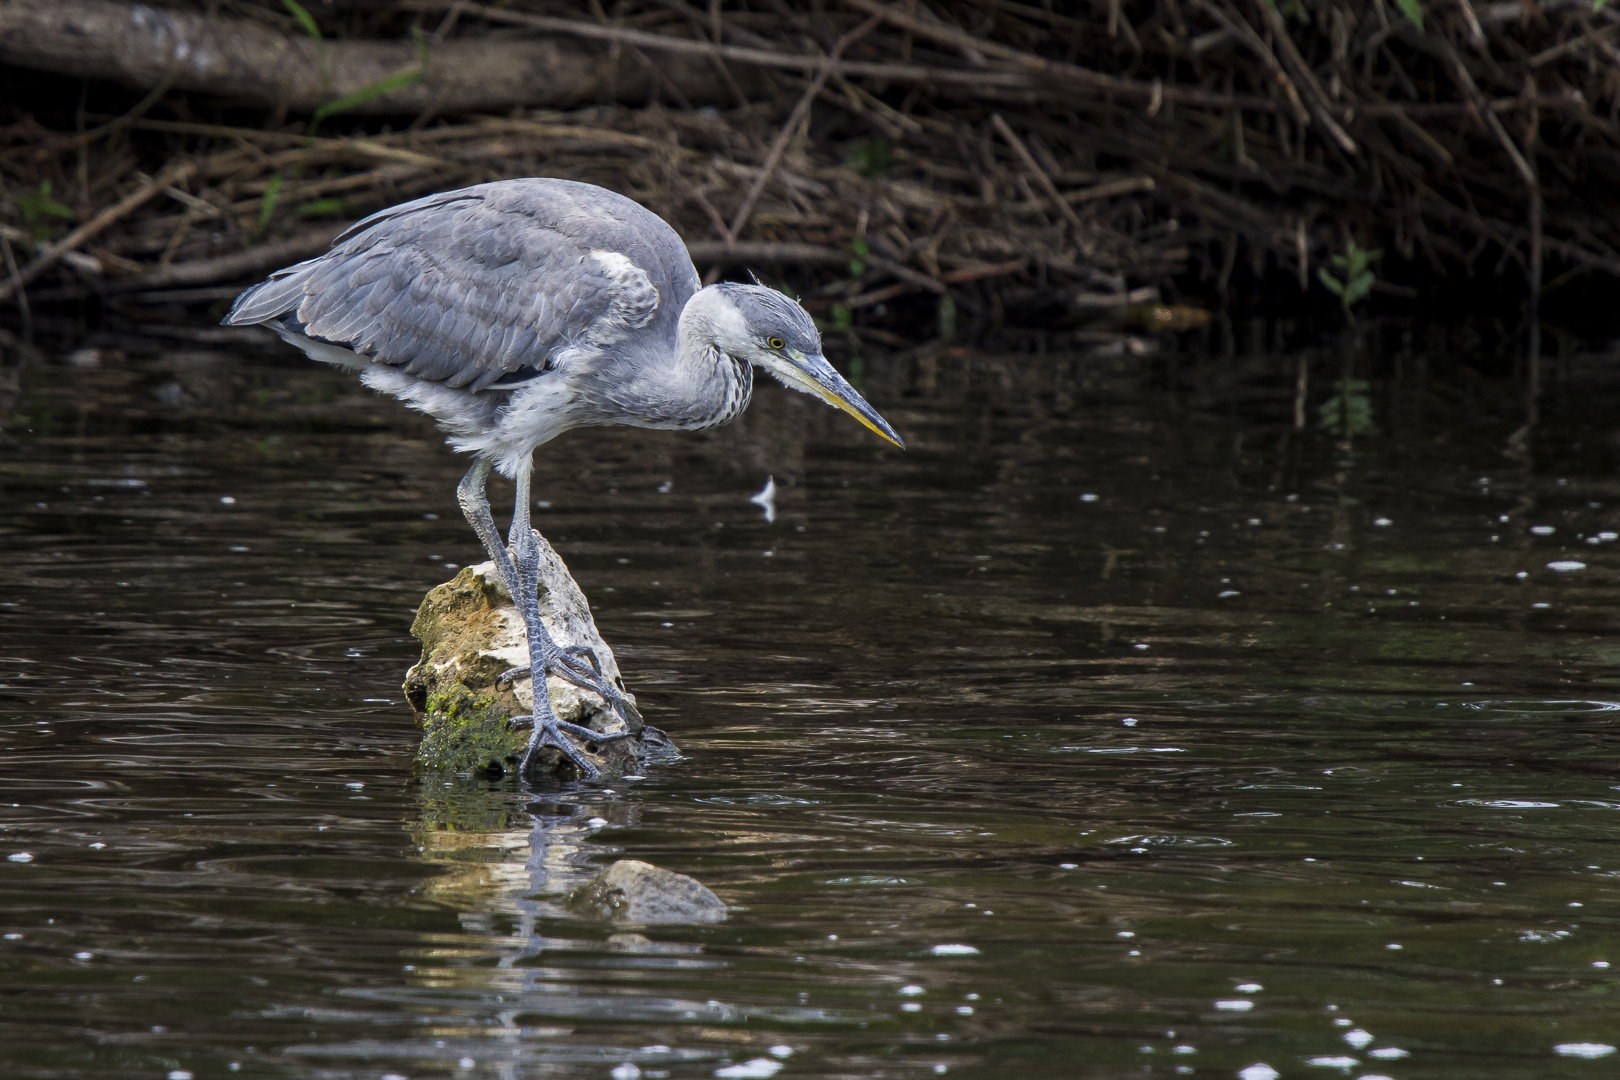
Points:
[[53, 253], [242, 264], [85, 138], [761, 57], [1039, 173], [1240, 29], [1476, 33], [17, 289], [1320, 104], [1129, 185], [1591, 37], [974, 273], [765, 252], [1056, 69], [791, 127], [1027, 79]]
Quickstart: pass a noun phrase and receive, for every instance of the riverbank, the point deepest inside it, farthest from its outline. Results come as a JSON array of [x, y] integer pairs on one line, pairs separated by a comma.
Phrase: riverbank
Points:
[[910, 171]]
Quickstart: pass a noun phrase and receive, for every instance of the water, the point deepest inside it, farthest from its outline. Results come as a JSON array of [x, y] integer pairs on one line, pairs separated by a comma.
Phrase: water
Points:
[[1214, 745]]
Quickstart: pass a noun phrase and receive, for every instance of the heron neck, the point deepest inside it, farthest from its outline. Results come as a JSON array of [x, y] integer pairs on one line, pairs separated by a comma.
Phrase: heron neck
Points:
[[716, 386]]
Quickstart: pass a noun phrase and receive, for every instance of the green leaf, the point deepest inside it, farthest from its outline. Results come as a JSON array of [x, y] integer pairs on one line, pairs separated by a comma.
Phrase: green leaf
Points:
[[857, 265], [305, 19], [37, 206], [1331, 282], [1413, 10], [318, 207], [267, 205], [385, 85]]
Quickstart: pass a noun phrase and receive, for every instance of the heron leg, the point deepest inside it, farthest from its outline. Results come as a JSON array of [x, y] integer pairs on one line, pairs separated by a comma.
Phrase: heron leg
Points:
[[475, 508], [549, 729], [576, 664]]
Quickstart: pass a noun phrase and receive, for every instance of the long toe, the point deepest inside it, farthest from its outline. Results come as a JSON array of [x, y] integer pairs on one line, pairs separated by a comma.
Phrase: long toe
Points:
[[588, 736], [576, 651], [548, 732]]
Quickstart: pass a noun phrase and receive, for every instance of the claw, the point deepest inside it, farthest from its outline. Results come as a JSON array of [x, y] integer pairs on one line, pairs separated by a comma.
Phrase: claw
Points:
[[512, 675]]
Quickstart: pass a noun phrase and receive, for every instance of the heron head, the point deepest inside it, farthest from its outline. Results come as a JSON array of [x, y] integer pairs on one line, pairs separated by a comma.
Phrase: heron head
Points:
[[771, 331]]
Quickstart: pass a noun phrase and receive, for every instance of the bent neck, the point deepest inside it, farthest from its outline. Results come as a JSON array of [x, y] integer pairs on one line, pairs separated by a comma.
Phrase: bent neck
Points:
[[717, 386]]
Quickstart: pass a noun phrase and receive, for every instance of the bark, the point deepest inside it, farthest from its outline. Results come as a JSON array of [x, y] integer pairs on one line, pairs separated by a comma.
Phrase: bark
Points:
[[142, 46]]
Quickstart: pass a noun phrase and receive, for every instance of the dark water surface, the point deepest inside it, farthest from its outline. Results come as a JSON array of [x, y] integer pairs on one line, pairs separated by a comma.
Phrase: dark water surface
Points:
[[1115, 729]]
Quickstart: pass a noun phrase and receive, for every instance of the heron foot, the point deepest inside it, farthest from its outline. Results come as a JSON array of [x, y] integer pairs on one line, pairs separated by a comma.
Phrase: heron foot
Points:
[[550, 731], [595, 682], [565, 663]]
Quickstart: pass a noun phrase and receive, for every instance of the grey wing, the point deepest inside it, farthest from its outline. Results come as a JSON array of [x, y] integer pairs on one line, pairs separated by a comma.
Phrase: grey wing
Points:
[[481, 286]]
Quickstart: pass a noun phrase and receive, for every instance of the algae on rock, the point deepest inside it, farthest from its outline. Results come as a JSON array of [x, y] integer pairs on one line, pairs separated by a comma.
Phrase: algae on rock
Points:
[[471, 633]]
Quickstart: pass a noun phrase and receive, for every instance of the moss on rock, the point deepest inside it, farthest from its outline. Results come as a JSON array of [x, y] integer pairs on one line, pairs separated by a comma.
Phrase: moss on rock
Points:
[[466, 732]]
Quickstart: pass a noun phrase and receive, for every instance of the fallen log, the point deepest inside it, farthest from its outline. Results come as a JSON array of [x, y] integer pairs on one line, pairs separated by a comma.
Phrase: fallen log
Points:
[[245, 62]]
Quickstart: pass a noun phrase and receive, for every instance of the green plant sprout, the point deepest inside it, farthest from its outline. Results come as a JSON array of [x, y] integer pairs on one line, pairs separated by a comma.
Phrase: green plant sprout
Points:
[[1413, 10], [38, 208], [1358, 279], [1349, 411], [857, 265], [267, 205], [323, 207], [870, 157]]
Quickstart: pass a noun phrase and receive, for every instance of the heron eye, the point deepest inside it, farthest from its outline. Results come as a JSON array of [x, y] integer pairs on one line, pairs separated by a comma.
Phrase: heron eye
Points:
[[775, 342]]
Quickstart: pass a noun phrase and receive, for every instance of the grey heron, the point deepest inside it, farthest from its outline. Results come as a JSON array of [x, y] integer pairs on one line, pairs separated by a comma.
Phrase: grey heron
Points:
[[514, 311]]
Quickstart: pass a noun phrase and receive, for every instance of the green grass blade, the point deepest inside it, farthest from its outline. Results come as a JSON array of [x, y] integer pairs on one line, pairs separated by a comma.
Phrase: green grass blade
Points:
[[386, 85], [1413, 10], [267, 206], [305, 19]]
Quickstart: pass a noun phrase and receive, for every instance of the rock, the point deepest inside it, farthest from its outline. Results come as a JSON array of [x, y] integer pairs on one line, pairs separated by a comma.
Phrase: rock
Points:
[[630, 891], [471, 633]]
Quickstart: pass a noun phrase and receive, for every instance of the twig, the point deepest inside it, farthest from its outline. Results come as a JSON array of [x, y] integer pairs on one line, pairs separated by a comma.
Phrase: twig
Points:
[[1245, 33], [1320, 103], [704, 251], [53, 253], [1028, 160], [791, 127]]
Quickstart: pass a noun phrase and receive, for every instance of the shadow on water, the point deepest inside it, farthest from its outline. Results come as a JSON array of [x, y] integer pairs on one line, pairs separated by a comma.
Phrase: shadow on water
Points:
[[1134, 722]]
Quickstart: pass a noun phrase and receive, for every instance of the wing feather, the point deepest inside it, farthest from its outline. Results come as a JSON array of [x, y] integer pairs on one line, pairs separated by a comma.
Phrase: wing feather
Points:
[[465, 287]]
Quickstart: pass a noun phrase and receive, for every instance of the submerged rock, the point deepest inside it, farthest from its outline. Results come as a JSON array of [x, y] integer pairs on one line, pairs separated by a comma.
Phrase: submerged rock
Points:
[[631, 891], [471, 633]]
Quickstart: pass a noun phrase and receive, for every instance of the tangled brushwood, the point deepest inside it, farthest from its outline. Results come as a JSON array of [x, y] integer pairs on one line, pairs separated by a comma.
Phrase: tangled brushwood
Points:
[[993, 158]]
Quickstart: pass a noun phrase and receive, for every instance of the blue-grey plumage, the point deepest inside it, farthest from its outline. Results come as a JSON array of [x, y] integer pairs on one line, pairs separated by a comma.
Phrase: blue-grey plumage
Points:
[[514, 311]]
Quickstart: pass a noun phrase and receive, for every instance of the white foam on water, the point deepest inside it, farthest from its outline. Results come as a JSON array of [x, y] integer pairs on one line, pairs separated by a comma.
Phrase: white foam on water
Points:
[[1583, 1050], [954, 950], [753, 1069]]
